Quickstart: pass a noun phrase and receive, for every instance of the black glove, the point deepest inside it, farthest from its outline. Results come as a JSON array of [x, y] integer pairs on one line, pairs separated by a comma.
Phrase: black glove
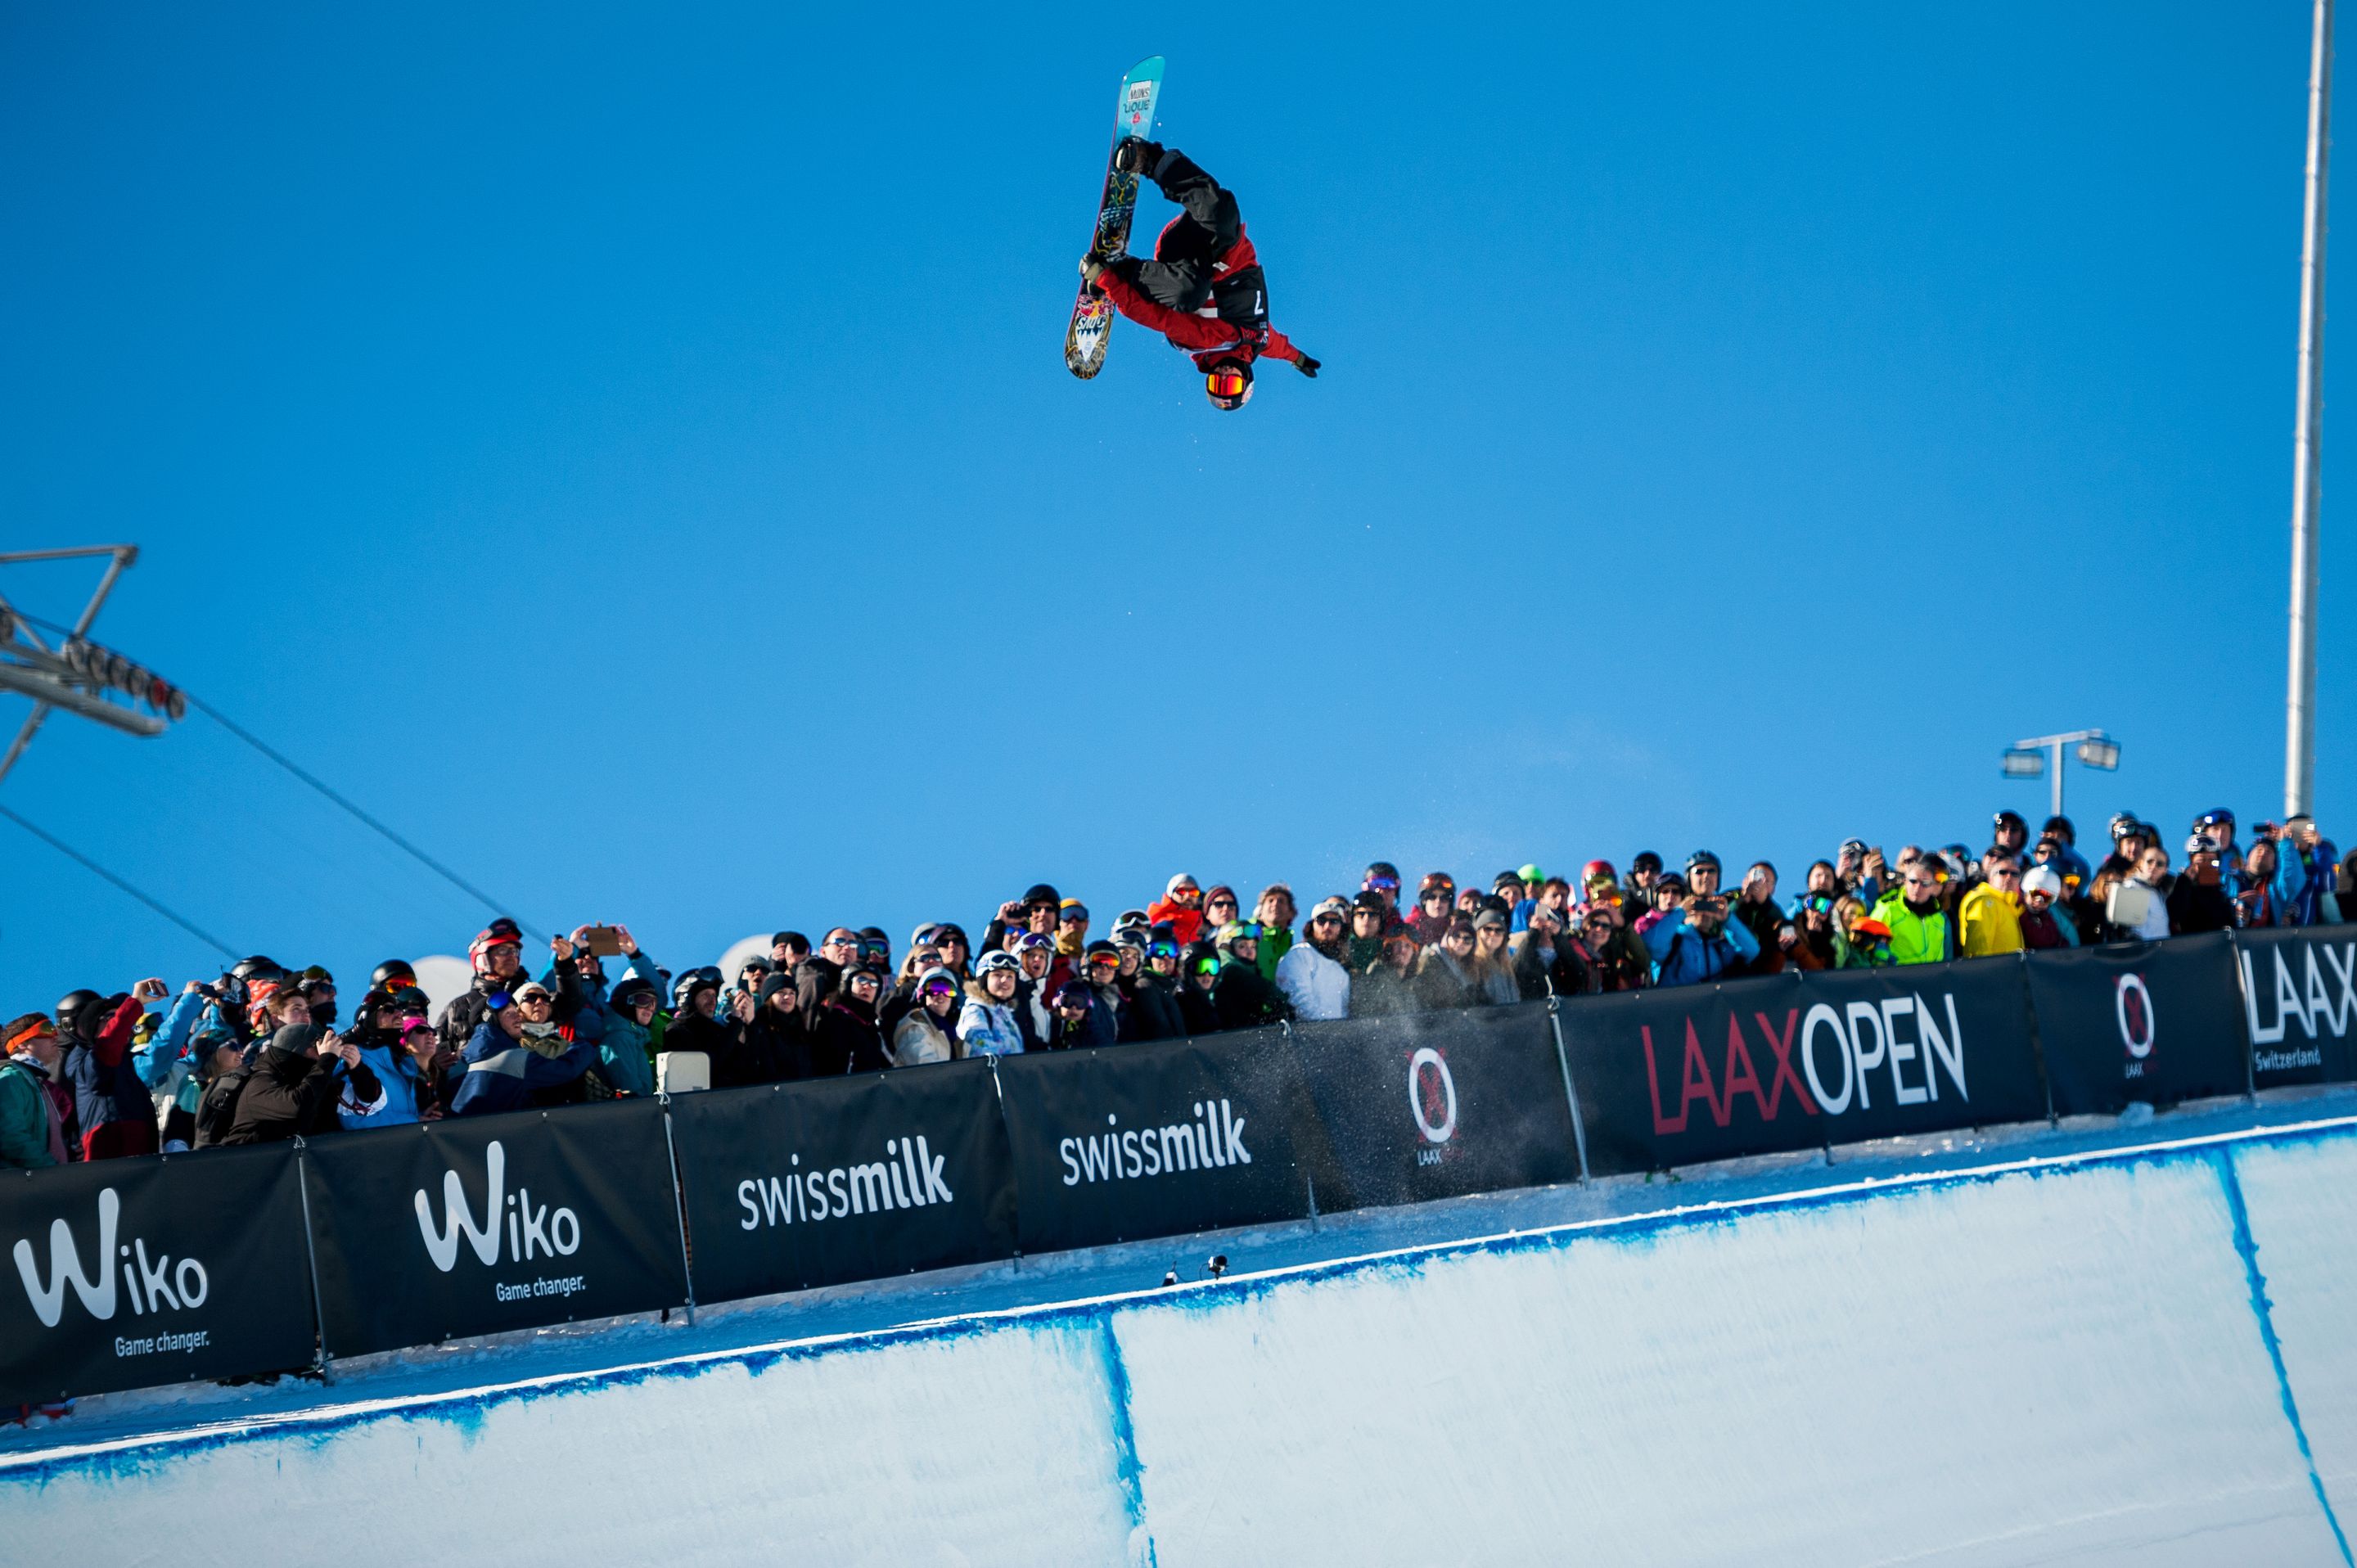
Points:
[[1135, 155], [1092, 266], [1306, 366]]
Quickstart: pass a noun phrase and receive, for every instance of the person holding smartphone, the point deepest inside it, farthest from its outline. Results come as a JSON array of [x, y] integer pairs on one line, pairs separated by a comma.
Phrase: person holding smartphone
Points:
[[112, 1102]]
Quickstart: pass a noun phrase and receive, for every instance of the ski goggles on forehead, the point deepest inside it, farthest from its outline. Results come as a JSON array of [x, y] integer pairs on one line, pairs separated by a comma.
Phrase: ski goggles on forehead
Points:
[[1226, 383]]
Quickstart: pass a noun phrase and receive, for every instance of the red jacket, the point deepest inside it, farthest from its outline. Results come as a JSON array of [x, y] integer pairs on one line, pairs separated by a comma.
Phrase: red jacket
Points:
[[1208, 337], [1185, 923]]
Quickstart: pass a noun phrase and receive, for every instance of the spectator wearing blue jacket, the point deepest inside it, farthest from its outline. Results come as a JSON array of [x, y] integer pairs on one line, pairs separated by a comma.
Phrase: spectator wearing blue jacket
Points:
[[607, 1018], [625, 1058], [2307, 876], [516, 1050], [400, 1063], [163, 1062], [1694, 942]]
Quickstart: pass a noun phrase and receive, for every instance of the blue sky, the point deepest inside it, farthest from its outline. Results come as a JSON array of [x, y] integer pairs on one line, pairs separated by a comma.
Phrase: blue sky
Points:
[[630, 451]]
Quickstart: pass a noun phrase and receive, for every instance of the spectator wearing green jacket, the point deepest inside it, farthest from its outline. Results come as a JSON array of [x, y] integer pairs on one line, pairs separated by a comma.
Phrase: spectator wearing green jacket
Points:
[[30, 1139], [1273, 913], [1920, 929]]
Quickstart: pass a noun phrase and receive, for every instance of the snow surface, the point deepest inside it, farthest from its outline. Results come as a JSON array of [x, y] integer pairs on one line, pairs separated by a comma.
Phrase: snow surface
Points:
[[2038, 1350]]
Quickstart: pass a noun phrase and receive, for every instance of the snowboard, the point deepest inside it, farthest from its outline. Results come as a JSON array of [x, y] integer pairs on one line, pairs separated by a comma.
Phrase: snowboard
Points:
[[1091, 330]]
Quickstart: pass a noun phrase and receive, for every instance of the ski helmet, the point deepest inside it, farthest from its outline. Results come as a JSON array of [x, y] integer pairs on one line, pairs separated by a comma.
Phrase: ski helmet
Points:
[[73, 1008], [392, 973], [1229, 383], [257, 968]]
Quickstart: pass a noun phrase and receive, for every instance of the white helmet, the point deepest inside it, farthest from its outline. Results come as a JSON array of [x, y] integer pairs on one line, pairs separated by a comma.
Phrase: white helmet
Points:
[[2042, 879]]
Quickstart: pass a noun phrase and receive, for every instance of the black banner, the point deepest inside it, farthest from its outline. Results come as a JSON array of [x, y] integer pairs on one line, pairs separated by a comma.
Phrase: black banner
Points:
[[455, 1228], [2299, 986], [1689, 1073], [1154, 1140], [2156, 1022], [1434, 1105], [850, 1178], [156, 1269]]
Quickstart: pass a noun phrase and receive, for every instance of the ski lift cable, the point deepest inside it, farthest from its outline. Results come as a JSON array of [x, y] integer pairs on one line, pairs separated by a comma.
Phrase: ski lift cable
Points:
[[73, 853], [415, 853], [290, 766]]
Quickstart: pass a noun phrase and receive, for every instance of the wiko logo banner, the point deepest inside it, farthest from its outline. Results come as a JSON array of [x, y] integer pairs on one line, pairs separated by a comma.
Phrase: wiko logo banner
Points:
[[149, 1282], [909, 1176], [532, 1230], [2314, 990], [1841, 1053], [1214, 1140]]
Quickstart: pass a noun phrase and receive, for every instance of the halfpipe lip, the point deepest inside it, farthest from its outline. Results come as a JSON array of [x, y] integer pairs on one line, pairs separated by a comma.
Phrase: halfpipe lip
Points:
[[23, 1463]]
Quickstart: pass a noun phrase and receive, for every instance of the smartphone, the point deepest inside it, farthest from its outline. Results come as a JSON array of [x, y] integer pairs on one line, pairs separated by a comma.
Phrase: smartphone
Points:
[[602, 941]]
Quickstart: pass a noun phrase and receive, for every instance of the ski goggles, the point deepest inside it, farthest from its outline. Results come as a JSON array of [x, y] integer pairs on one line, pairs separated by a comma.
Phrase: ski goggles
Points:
[[1226, 383], [1162, 950], [32, 1031], [940, 988]]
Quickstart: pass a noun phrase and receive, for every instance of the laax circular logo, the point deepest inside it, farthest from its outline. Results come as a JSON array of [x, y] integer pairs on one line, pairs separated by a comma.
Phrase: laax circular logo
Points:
[[1431, 1095], [2133, 1002]]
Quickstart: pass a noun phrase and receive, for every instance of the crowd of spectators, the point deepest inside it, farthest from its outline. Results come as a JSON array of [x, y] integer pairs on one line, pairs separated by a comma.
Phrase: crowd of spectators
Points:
[[257, 1054]]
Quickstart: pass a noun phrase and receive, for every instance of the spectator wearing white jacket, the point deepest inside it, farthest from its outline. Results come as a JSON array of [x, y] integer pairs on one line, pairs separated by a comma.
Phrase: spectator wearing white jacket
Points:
[[987, 1026], [1312, 974]]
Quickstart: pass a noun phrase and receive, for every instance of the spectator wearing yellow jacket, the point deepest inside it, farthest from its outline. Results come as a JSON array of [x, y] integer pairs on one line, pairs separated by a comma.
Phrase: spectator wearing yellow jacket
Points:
[[1991, 913]]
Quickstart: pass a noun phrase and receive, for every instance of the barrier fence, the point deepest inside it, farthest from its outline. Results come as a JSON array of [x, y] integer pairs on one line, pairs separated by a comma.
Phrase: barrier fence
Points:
[[246, 1262]]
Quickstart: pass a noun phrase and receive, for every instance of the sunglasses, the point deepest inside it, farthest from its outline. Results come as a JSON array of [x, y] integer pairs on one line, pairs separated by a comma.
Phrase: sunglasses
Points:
[[1438, 896], [1222, 904]]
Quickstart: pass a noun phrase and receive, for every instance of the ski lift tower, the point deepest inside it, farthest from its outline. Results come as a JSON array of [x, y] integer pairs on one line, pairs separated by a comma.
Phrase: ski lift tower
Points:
[[77, 676]]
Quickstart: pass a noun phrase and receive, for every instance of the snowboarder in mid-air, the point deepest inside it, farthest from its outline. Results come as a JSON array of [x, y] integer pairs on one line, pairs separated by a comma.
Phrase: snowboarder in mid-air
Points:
[[1203, 290]]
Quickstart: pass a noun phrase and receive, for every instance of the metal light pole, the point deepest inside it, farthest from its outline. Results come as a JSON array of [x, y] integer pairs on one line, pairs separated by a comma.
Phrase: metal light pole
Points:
[[2299, 708], [2028, 758]]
